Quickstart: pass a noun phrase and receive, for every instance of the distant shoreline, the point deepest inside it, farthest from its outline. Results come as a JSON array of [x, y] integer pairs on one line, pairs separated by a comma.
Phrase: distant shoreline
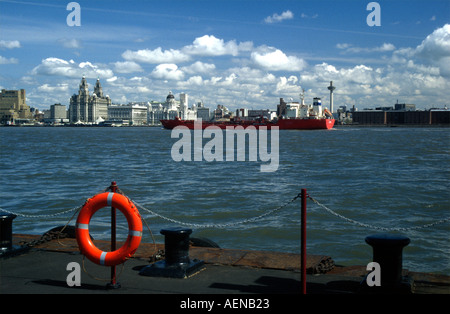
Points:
[[336, 126]]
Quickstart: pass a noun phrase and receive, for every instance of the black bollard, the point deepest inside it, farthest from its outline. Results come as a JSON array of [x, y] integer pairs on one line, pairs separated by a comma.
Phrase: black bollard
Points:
[[387, 252], [6, 231], [177, 263], [176, 245]]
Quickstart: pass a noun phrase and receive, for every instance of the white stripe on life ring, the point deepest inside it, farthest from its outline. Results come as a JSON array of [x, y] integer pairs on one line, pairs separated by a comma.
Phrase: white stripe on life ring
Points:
[[134, 233], [102, 258], [109, 198], [83, 226]]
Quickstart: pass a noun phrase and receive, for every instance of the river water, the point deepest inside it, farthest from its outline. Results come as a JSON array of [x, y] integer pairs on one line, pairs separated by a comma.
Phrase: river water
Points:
[[377, 179]]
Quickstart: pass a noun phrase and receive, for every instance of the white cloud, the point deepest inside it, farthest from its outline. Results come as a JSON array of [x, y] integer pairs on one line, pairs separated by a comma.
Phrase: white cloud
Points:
[[348, 48], [4, 60], [156, 56], [70, 43], [436, 45], [51, 89], [287, 86], [199, 67], [168, 71], [274, 59], [195, 80], [208, 45], [286, 15], [434, 51], [9, 44], [127, 67], [59, 67]]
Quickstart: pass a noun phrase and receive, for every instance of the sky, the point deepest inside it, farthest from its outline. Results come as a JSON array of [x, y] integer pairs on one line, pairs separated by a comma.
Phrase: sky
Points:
[[237, 53]]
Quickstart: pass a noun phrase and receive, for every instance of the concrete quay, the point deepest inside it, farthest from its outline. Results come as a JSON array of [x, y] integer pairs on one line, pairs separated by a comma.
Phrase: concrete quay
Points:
[[42, 269]]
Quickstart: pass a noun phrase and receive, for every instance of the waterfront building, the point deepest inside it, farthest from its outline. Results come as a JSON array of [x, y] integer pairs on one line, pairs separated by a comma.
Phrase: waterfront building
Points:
[[222, 112], [133, 114], [406, 107], [13, 106], [171, 109], [58, 113], [402, 117], [86, 108], [203, 113], [259, 113]]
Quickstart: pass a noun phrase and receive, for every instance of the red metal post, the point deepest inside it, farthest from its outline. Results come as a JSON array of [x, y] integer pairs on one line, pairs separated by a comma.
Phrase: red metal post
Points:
[[303, 235], [113, 283]]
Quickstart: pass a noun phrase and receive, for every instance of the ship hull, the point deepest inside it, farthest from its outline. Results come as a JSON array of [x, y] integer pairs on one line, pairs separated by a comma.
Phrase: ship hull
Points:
[[282, 124]]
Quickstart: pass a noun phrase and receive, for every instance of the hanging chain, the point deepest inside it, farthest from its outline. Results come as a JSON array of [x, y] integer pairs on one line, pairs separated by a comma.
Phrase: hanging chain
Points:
[[376, 227], [41, 216], [231, 224], [52, 235]]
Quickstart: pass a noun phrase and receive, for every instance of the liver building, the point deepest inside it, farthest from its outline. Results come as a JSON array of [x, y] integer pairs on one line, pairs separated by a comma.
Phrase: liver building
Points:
[[86, 108]]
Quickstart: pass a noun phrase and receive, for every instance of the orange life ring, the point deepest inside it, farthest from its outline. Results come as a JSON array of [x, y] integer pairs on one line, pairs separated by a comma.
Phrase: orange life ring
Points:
[[131, 213]]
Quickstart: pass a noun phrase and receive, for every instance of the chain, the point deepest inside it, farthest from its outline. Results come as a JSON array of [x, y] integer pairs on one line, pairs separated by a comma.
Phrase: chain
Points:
[[231, 224], [40, 216], [49, 235], [46, 237], [377, 227]]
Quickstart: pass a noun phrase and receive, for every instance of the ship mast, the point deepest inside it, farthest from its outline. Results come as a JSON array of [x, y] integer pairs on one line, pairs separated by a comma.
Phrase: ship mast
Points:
[[302, 97]]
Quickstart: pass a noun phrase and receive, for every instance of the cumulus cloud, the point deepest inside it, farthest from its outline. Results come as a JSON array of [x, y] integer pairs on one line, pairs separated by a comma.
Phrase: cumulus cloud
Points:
[[4, 60], [349, 48], [209, 45], [70, 43], [155, 56], [127, 67], [434, 51], [59, 67], [275, 18], [199, 67], [51, 89], [274, 59], [287, 86], [167, 71], [9, 44], [195, 80], [436, 45]]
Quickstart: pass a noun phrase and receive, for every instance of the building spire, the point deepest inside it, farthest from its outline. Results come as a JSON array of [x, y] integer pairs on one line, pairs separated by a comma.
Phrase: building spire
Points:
[[98, 90], [84, 86]]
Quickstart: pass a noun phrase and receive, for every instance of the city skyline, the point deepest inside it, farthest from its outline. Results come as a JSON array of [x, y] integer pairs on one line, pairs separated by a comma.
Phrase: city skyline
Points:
[[235, 53]]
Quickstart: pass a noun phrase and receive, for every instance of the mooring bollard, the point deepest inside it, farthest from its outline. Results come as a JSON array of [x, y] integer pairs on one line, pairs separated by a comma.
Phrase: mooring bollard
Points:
[[176, 244], [387, 252], [6, 231], [177, 263]]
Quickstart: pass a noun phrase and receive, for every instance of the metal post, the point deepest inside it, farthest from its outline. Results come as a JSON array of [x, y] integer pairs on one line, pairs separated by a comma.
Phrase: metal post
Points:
[[303, 246], [113, 284]]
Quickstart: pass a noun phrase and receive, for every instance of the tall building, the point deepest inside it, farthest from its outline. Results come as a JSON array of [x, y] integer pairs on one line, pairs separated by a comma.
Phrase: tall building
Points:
[[86, 108], [13, 106], [58, 113], [184, 105], [134, 114]]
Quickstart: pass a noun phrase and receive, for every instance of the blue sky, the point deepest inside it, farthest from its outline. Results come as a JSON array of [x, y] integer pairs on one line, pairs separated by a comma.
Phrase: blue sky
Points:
[[237, 53]]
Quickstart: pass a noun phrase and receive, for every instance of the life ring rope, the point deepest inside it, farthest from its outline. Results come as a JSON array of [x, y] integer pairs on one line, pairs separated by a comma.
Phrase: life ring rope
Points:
[[131, 213]]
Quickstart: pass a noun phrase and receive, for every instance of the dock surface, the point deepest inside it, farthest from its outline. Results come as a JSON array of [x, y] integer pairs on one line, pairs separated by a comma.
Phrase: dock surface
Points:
[[42, 269]]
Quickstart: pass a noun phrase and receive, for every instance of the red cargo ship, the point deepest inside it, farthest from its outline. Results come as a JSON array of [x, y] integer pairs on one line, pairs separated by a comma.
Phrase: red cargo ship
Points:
[[296, 117], [282, 124]]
